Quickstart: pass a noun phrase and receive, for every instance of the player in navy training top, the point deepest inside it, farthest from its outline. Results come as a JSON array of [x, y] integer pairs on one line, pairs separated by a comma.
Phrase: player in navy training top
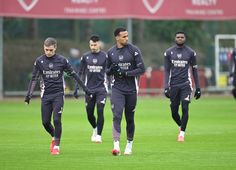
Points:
[[125, 64], [232, 72], [93, 71], [50, 68], [178, 85]]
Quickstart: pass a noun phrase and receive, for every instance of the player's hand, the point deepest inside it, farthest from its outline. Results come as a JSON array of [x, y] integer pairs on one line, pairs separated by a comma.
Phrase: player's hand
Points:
[[115, 68], [234, 92], [76, 93], [117, 71], [167, 92], [88, 92], [197, 94], [121, 74], [230, 79], [27, 99]]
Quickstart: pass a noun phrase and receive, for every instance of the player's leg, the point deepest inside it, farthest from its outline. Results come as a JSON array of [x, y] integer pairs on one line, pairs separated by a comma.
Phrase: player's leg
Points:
[[185, 115], [58, 104], [130, 104], [117, 106], [46, 114], [101, 101], [185, 100], [174, 105], [90, 105]]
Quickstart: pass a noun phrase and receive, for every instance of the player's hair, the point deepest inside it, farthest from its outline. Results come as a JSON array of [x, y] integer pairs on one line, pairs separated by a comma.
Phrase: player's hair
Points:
[[95, 38], [180, 32], [50, 41], [118, 30]]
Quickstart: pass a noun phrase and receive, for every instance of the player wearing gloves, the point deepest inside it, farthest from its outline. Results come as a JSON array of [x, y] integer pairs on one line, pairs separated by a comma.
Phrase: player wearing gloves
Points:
[[117, 72], [50, 68], [93, 70], [178, 85], [125, 65]]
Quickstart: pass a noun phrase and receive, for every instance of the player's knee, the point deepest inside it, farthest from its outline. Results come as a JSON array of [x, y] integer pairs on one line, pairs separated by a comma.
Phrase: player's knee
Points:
[[46, 124], [100, 106], [130, 121], [89, 109], [185, 105], [174, 108], [100, 109], [117, 118], [57, 122]]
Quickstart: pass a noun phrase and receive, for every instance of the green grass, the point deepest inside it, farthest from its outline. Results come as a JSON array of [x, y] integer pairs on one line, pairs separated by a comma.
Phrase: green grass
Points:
[[210, 137]]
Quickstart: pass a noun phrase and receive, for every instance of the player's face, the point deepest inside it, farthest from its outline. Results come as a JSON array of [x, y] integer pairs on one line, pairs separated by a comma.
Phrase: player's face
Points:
[[94, 46], [49, 50], [180, 39], [122, 38]]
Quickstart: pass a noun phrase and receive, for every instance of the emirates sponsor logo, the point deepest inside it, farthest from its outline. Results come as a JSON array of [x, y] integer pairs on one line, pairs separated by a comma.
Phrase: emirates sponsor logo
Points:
[[27, 6], [153, 9]]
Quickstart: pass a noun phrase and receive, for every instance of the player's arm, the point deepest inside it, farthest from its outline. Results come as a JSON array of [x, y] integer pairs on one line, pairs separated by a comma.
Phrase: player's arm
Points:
[[167, 68], [70, 72], [232, 63], [81, 73], [33, 82], [195, 70], [232, 72], [82, 68], [140, 68], [109, 68], [197, 94]]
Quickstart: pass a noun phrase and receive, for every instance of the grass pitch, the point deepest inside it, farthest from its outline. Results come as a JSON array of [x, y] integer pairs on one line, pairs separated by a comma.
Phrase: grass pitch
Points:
[[210, 138]]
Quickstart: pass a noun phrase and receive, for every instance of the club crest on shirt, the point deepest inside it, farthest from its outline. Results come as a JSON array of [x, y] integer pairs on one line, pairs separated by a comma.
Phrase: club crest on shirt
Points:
[[121, 57], [179, 56], [50, 65], [95, 61]]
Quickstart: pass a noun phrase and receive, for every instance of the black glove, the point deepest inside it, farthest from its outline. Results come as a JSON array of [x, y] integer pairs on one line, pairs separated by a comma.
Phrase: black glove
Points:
[[76, 93], [121, 74], [197, 94], [234, 92], [114, 68], [117, 72], [27, 99], [167, 92]]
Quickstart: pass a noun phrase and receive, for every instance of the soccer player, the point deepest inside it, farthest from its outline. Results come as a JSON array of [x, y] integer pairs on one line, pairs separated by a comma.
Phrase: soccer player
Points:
[[178, 60], [232, 72], [49, 67], [93, 70], [125, 64]]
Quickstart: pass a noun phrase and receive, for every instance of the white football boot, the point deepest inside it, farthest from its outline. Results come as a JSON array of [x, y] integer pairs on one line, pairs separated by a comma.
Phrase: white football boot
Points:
[[93, 137], [128, 148], [98, 139], [116, 150]]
